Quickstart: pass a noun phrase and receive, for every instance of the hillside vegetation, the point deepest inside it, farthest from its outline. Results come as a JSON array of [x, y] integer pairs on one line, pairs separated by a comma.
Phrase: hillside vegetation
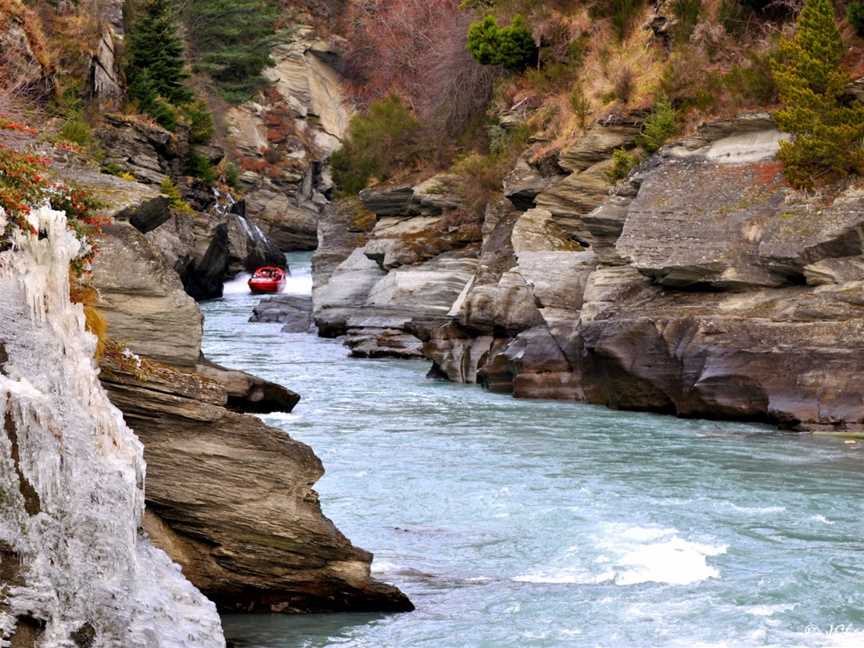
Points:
[[466, 85], [552, 68]]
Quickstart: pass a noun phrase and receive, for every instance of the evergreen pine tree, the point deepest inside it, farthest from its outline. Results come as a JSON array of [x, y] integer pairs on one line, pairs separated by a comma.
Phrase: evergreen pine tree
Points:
[[232, 42], [827, 132], [155, 69]]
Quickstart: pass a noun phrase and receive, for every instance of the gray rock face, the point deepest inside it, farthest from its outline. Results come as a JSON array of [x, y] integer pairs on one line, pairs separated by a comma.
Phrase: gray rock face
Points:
[[690, 298], [835, 271], [394, 201], [523, 184], [207, 249], [789, 356], [285, 137], [294, 311], [145, 150], [700, 223], [105, 85], [143, 299], [291, 227], [571, 198], [388, 283]]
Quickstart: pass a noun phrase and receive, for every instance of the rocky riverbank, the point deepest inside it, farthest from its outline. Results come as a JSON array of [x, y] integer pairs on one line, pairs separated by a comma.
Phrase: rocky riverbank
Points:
[[701, 286], [229, 498]]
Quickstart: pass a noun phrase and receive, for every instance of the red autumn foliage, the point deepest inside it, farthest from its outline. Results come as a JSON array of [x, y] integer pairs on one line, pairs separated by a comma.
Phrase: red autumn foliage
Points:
[[416, 49]]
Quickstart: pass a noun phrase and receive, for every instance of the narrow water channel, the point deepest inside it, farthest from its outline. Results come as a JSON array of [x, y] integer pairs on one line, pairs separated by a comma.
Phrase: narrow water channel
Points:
[[514, 523]]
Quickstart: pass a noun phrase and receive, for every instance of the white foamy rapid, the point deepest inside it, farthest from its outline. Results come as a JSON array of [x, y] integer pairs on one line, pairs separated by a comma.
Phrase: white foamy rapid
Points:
[[630, 556], [239, 285], [72, 475]]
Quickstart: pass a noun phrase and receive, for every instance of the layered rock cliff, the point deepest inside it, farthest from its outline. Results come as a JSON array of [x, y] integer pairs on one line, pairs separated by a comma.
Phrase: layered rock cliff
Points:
[[75, 566], [700, 286], [284, 138], [228, 497]]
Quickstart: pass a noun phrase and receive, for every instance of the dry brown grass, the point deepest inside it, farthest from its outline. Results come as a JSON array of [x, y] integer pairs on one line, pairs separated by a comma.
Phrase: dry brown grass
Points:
[[17, 11], [94, 320]]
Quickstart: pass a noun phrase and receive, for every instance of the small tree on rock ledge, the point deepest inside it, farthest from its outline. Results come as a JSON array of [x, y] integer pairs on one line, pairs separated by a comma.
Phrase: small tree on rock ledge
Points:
[[827, 132]]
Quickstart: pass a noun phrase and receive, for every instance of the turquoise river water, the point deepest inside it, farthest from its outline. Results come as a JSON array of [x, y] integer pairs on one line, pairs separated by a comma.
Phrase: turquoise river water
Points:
[[514, 523]]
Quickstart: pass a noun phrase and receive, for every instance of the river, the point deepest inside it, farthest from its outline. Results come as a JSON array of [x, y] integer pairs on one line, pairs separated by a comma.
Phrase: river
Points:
[[524, 523]]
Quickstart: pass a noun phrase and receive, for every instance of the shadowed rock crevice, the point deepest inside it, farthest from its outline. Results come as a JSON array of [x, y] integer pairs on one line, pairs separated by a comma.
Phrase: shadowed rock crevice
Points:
[[32, 504]]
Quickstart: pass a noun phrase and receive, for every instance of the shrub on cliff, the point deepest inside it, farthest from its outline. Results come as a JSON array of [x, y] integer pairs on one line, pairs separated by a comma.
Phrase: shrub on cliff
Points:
[[855, 16], [511, 47], [231, 42], [155, 67], [377, 144], [481, 176], [660, 125], [827, 132], [25, 184]]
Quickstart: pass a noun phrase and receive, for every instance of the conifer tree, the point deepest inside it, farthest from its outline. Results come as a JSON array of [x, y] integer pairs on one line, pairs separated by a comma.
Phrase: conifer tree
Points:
[[155, 69], [827, 132], [232, 43]]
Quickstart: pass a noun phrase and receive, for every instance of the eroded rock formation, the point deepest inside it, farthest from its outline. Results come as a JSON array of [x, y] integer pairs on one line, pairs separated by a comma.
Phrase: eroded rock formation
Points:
[[75, 568], [284, 138], [232, 500], [701, 286], [228, 497]]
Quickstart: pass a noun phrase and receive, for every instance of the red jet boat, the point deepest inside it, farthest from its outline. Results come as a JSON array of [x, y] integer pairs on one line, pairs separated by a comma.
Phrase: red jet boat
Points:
[[268, 279]]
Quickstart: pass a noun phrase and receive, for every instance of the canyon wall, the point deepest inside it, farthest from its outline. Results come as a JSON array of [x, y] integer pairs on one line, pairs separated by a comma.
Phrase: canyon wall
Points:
[[76, 567], [701, 286]]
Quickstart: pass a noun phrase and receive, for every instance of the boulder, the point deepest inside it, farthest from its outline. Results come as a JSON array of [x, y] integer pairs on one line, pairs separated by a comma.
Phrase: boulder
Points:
[[360, 295], [575, 196], [342, 228], [431, 197], [124, 200], [391, 201], [600, 141], [523, 184], [345, 293], [289, 226], [371, 342], [294, 311], [399, 242], [142, 148], [143, 300], [441, 192]]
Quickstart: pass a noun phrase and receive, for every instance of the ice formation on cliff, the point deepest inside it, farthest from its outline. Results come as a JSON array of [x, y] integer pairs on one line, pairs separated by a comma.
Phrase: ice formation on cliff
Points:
[[74, 569]]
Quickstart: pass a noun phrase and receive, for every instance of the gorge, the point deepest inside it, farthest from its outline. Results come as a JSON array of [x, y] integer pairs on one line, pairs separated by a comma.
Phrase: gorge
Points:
[[573, 322]]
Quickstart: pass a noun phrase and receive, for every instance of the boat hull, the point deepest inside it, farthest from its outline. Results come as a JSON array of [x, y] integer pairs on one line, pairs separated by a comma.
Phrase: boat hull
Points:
[[260, 287]]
